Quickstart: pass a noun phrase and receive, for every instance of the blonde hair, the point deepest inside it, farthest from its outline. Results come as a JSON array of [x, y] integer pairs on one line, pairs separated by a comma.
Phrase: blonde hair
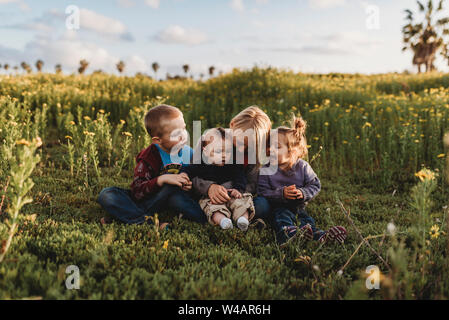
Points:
[[254, 118], [296, 139], [155, 115]]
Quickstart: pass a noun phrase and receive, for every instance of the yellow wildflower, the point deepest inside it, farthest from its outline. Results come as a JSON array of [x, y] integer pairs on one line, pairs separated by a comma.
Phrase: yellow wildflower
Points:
[[434, 232], [23, 142], [127, 134], [425, 174], [165, 245], [442, 155], [367, 124], [69, 137], [87, 118]]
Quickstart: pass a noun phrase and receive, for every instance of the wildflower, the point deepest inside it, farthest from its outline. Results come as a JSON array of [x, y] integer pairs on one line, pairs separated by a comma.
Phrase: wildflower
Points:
[[326, 124], [23, 142], [165, 245], [87, 118], [309, 146], [72, 123], [87, 133], [367, 124], [425, 174], [304, 259], [101, 111], [391, 229], [294, 108], [125, 133], [434, 232], [201, 117], [69, 137], [340, 272], [122, 121], [442, 155]]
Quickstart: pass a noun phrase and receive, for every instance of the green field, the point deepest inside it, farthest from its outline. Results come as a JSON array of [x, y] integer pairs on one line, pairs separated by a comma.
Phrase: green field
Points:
[[368, 137]]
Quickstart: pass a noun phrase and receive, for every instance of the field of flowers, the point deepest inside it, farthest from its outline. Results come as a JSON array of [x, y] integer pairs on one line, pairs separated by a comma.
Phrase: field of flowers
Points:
[[376, 142]]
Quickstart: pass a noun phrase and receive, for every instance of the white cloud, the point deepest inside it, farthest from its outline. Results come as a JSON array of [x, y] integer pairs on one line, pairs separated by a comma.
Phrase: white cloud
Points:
[[175, 34], [237, 5], [126, 3], [153, 3], [103, 25], [326, 4], [22, 5]]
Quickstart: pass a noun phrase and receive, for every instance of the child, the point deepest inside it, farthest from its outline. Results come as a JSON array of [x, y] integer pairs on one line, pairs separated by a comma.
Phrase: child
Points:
[[255, 120], [157, 183], [292, 186], [215, 151]]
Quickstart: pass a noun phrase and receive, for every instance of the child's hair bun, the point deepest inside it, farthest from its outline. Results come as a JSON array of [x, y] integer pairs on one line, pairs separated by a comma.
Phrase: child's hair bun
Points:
[[299, 125]]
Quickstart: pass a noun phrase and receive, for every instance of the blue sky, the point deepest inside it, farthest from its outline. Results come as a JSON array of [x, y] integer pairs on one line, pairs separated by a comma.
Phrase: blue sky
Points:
[[301, 35]]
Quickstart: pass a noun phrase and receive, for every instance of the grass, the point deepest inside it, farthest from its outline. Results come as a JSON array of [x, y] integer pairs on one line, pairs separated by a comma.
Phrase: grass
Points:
[[118, 261], [376, 132]]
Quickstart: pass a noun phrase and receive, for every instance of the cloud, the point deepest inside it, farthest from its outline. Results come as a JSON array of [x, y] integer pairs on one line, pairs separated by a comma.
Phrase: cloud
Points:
[[126, 3], [237, 5], [153, 3], [326, 4], [91, 21], [68, 49], [22, 5], [103, 25], [175, 34]]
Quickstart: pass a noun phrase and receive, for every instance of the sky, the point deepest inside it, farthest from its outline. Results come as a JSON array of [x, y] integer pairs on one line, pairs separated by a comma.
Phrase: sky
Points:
[[317, 36]]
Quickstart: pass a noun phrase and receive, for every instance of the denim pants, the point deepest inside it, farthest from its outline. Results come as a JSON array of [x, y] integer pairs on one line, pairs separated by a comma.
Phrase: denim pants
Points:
[[118, 202], [289, 215], [263, 210]]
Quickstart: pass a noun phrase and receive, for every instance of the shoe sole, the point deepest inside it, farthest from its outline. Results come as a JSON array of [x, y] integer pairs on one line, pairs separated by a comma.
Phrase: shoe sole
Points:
[[338, 234]]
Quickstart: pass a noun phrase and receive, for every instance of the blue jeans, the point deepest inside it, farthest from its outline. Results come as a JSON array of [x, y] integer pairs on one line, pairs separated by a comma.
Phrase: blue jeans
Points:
[[118, 202], [263, 210], [287, 216]]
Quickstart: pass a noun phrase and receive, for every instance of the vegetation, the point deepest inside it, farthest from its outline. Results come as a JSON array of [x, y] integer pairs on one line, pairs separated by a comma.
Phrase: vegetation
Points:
[[375, 141]]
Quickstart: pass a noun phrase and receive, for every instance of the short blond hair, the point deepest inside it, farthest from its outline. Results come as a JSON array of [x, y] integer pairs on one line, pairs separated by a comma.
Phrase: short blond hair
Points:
[[155, 115], [254, 118], [296, 139]]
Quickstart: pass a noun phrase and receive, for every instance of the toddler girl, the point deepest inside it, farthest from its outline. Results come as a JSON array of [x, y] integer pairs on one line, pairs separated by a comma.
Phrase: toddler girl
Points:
[[292, 186]]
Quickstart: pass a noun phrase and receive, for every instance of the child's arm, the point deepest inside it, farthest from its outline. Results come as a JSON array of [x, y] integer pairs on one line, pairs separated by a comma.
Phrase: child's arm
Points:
[[312, 184], [145, 181]]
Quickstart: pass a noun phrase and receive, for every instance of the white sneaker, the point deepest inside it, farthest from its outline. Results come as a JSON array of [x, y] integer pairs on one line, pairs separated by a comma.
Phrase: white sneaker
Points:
[[226, 223], [242, 223]]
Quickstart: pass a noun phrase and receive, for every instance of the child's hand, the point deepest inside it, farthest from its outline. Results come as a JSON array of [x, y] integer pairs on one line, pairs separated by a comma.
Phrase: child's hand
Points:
[[174, 179], [300, 195], [186, 186], [291, 192], [235, 193]]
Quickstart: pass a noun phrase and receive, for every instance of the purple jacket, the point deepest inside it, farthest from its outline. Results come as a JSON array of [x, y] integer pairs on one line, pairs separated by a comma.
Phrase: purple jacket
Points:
[[301, 175]]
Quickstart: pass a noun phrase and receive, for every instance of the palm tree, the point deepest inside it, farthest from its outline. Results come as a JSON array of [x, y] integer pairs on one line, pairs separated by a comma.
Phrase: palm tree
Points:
[[211, 70], [425, 38], [83, 66], [155, 67], [26, 67], [186, 68], [39, 65], [120, 66], [58, 68]]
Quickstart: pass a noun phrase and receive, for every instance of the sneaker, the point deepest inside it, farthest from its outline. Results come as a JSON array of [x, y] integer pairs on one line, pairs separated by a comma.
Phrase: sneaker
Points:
[[288, 234], [337, 233], [257, 224], [226, 223], [307, 232], [242, 223]]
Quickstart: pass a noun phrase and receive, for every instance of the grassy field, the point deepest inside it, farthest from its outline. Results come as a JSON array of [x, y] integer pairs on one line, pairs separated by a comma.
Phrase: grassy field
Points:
[[368, 137]]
